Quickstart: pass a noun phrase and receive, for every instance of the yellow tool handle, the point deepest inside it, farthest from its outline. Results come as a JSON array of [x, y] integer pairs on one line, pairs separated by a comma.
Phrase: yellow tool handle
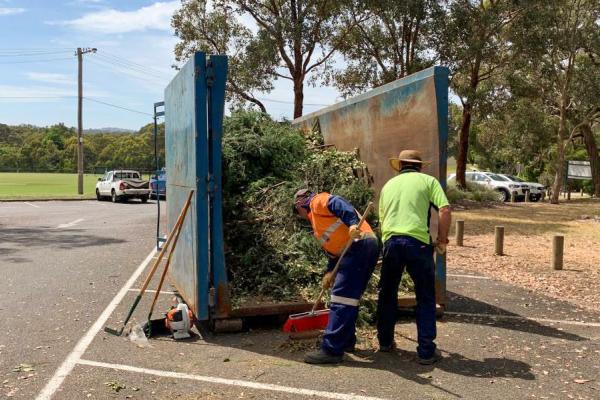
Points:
[[339, 261], [166, 245]]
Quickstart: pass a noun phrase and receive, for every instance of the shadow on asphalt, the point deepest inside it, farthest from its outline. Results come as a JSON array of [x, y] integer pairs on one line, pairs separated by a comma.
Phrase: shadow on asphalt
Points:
[[48, 237], [402, 362], [459, 303]]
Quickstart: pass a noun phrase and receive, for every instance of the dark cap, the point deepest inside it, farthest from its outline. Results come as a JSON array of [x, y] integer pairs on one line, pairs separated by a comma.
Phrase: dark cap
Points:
[[301, 196]]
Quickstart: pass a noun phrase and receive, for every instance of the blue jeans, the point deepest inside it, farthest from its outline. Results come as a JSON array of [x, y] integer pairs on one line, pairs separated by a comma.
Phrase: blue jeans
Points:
[[350, 283], [401, 252]]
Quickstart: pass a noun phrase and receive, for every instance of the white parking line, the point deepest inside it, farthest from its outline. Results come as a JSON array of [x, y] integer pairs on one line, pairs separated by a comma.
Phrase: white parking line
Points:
[[229, 382], [32, 205], [70, 224], [519, 317], [73, 358], [468, 276]]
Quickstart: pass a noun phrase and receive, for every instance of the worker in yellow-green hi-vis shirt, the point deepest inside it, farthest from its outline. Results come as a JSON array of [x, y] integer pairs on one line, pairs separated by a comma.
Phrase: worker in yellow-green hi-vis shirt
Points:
[[404, 210]]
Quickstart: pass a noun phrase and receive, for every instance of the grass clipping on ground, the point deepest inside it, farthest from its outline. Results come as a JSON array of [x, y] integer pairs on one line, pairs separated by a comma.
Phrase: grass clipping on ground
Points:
[[271, 254]]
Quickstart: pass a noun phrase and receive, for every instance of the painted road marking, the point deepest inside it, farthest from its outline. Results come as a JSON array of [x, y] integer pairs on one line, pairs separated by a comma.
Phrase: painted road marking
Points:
[[32, 205], [229, 382], [468, 276], [153, 291], [70, 224], [69, 363], [519, 317]]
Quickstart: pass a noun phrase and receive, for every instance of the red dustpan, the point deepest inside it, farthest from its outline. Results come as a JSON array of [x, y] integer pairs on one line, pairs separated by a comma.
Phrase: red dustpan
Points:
[[306, 321], [317, 319]]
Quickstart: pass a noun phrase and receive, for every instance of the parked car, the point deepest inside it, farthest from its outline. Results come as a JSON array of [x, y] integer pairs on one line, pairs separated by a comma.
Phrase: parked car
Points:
[[122, 185], [502, 185], [536, 191], [158, 184]]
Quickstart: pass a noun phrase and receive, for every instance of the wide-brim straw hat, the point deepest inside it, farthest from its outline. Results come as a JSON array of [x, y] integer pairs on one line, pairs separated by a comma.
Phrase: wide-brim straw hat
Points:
[[407, 156]]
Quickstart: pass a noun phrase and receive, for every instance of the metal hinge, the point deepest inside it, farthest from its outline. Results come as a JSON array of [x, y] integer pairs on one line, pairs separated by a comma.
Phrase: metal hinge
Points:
[[210, 74]]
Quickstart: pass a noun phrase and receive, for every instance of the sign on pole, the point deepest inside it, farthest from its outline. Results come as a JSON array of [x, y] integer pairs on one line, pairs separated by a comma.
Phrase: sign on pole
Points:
[[579, 170]]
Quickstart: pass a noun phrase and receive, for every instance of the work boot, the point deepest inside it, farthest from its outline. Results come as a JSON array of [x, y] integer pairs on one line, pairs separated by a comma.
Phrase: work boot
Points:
[[321, 357], [350, 348], [437, 356], [387, 349]]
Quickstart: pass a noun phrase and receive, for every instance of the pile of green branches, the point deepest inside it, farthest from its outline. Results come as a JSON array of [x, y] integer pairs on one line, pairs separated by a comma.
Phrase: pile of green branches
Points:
[[270, 252]]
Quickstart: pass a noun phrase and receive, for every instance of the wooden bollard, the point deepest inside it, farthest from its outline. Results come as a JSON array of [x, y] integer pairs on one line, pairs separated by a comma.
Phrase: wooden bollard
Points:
[[460, 231], [527, 196], [499, 250], [558, 244], [513, 196]]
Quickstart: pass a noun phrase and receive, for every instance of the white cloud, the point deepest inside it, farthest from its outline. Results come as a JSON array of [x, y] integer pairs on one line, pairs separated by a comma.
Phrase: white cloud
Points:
[[60, 79], [153, 17], [11, 11]]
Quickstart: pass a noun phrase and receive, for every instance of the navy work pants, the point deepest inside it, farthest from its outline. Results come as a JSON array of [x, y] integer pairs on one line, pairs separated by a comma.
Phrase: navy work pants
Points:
[[350, 283], [401, 252]]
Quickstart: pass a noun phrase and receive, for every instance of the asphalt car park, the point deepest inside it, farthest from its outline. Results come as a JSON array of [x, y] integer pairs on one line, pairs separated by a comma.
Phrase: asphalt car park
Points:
[[72, 268]]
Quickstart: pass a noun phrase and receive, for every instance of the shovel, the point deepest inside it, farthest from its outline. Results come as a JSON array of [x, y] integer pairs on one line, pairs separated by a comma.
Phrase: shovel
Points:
[[119, 332], [317, 319]]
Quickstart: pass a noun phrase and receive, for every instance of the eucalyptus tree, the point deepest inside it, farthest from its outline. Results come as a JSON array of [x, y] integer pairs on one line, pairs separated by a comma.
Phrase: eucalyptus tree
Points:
[[265, 39], [387, 40], [553, 44], [475, 43]]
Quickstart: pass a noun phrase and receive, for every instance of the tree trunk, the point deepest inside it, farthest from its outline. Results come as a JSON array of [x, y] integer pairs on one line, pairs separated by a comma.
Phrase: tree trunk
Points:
[[592, 150], [298, 96], [560, 148], [559, 177], [463, 146]]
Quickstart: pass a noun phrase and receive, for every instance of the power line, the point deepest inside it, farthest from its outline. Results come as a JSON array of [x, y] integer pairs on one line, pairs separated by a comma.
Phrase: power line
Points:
[[72, 97], [290, 102], [131, 67], [37, 97], [31, 54], [117, 68], [37, 61], [145, 67], [117, 106]]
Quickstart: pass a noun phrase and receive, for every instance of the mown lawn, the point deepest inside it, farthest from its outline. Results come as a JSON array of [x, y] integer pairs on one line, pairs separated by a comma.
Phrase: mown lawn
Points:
[[44, 185]]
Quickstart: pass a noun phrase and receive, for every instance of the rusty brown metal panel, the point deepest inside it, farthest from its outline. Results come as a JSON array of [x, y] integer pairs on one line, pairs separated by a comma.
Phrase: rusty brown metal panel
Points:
[[409, 113]]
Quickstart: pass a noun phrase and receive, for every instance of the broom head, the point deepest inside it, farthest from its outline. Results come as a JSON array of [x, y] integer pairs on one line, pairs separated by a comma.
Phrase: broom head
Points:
[[307, 321]]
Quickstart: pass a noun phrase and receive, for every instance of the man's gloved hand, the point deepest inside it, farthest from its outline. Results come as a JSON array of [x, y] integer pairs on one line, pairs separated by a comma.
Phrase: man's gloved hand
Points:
[[354, 232], [327, 280], [440, 248]]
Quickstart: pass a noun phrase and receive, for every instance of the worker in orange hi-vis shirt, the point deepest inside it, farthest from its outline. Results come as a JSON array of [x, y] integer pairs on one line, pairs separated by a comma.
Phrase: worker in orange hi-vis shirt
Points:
[[334, 221]]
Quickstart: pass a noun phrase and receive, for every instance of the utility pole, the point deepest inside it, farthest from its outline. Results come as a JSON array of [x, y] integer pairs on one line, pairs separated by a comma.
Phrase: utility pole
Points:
[[80, 53]]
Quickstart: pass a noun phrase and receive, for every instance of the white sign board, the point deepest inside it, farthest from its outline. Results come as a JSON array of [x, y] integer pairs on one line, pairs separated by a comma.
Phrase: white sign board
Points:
[[579, 170]]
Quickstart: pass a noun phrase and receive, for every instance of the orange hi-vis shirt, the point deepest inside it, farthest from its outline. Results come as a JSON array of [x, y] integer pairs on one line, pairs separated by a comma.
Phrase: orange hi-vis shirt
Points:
[[330, 231]]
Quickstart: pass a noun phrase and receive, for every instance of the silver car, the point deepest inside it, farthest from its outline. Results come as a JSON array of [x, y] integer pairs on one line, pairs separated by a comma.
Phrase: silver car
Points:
[[537, 191]]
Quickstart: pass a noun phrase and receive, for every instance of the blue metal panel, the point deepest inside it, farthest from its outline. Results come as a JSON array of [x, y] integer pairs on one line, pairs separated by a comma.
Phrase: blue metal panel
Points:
[[202, 229], [187, 168], [194, 103], [441, 95], [217, 77]]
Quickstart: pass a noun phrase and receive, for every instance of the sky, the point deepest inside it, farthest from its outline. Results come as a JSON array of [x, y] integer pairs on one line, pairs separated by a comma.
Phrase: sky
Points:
[[38, 66]]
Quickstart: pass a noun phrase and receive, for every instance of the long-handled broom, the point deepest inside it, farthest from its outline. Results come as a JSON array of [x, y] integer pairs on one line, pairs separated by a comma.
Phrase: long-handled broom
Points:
[[178, 223], [317, 319]]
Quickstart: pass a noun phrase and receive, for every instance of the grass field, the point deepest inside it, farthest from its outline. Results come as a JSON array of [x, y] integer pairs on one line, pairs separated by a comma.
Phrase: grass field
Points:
[[44, 185]]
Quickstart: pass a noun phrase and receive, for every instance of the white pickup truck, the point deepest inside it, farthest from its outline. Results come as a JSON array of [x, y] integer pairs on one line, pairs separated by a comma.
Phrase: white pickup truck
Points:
[[122, 185]]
